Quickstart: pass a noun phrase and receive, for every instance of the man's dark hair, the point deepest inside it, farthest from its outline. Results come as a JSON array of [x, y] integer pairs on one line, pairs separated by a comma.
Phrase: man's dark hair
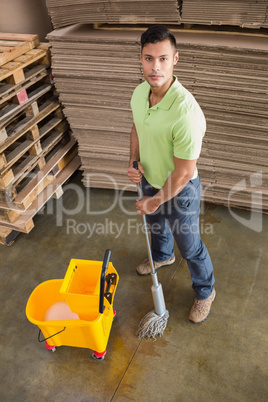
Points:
[[157, 33]]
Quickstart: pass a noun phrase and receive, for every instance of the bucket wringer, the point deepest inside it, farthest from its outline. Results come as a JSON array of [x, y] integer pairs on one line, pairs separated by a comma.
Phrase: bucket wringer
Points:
[[77, 310]]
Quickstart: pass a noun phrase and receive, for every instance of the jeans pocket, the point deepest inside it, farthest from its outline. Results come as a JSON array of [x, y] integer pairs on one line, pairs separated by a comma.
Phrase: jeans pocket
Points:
[[188, 195], [184, 201]]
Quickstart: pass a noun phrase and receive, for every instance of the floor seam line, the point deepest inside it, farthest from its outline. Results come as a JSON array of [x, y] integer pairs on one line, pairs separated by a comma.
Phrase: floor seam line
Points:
[[134, 354], [167, 289]]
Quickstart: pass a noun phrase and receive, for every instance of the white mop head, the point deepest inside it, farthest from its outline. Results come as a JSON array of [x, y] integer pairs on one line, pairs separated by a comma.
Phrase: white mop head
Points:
[[152, 325]]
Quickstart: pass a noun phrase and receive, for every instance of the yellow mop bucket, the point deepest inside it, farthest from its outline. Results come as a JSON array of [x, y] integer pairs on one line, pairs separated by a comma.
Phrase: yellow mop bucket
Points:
[[77, 310]]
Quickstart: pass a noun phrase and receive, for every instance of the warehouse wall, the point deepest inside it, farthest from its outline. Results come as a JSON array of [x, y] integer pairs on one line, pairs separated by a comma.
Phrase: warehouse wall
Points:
[[25, 16]]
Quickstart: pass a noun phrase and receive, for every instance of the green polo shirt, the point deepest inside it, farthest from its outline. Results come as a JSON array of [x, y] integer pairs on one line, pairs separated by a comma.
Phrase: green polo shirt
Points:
[[173, 127]]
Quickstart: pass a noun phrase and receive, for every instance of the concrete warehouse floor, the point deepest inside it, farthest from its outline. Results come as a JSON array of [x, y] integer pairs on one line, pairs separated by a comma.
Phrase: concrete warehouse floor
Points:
[[221, 359]]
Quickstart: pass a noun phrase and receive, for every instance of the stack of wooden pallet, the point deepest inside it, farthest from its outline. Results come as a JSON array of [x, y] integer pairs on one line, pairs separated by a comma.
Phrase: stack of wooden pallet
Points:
[[246, 13], [37, 152], [97, 70]]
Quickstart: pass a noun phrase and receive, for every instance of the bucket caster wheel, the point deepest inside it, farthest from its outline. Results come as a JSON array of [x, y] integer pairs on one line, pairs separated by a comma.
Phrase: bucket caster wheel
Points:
[[98, 356], [49, 347]]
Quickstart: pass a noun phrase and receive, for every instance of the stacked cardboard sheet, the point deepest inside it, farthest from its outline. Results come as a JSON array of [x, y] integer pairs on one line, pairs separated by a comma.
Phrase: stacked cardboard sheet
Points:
[[228, 75], [68, 12], [246, 13], [97, 70], [96, 73], [265, 23]]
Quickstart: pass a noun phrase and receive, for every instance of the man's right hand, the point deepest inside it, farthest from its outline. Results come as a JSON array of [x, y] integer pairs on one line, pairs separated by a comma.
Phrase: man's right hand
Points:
[[135, 175]]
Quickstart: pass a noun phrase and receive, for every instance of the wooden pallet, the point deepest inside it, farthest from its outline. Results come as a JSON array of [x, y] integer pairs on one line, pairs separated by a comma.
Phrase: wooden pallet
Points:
[[7, 236], [19, 127], [31, 166], [36, 182], [32, 76], [20, 196], [13, 71], [34, 145], [19, 74], [28, 107], [24, 223], [37, 152], [13, 45], [29, 140]]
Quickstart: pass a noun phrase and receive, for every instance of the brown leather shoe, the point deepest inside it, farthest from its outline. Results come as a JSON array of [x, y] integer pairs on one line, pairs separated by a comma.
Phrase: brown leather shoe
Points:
[[145, 269], [201, 309]]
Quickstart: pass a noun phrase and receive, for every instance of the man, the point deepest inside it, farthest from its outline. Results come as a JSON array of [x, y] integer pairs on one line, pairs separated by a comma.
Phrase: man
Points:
[[166, 140]]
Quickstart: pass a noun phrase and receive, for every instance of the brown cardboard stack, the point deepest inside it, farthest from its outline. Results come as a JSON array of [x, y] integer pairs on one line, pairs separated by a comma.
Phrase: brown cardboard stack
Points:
[[246, 13], [97, 70], [68, 12], [243, 13], [228, 75], [265, 23], [37, 153]]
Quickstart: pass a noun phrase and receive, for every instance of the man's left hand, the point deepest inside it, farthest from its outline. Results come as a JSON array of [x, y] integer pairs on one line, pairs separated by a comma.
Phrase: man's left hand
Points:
[[147, 205]]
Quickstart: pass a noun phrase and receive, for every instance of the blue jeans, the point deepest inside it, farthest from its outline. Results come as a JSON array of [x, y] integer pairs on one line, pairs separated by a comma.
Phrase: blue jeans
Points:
[[178, 219]]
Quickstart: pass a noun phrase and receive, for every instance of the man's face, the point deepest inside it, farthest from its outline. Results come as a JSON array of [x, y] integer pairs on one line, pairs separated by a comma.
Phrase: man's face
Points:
[[158, 60]]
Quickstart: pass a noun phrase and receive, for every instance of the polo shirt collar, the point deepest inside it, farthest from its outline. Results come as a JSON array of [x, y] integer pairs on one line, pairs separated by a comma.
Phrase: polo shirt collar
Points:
[[169, 97]]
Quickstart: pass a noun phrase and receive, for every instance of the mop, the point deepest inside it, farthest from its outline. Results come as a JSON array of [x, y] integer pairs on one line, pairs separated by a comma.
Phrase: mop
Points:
[[153, 323]]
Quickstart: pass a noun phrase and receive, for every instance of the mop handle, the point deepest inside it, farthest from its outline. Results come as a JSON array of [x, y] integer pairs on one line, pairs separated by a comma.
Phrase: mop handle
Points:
[[139, 189]]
